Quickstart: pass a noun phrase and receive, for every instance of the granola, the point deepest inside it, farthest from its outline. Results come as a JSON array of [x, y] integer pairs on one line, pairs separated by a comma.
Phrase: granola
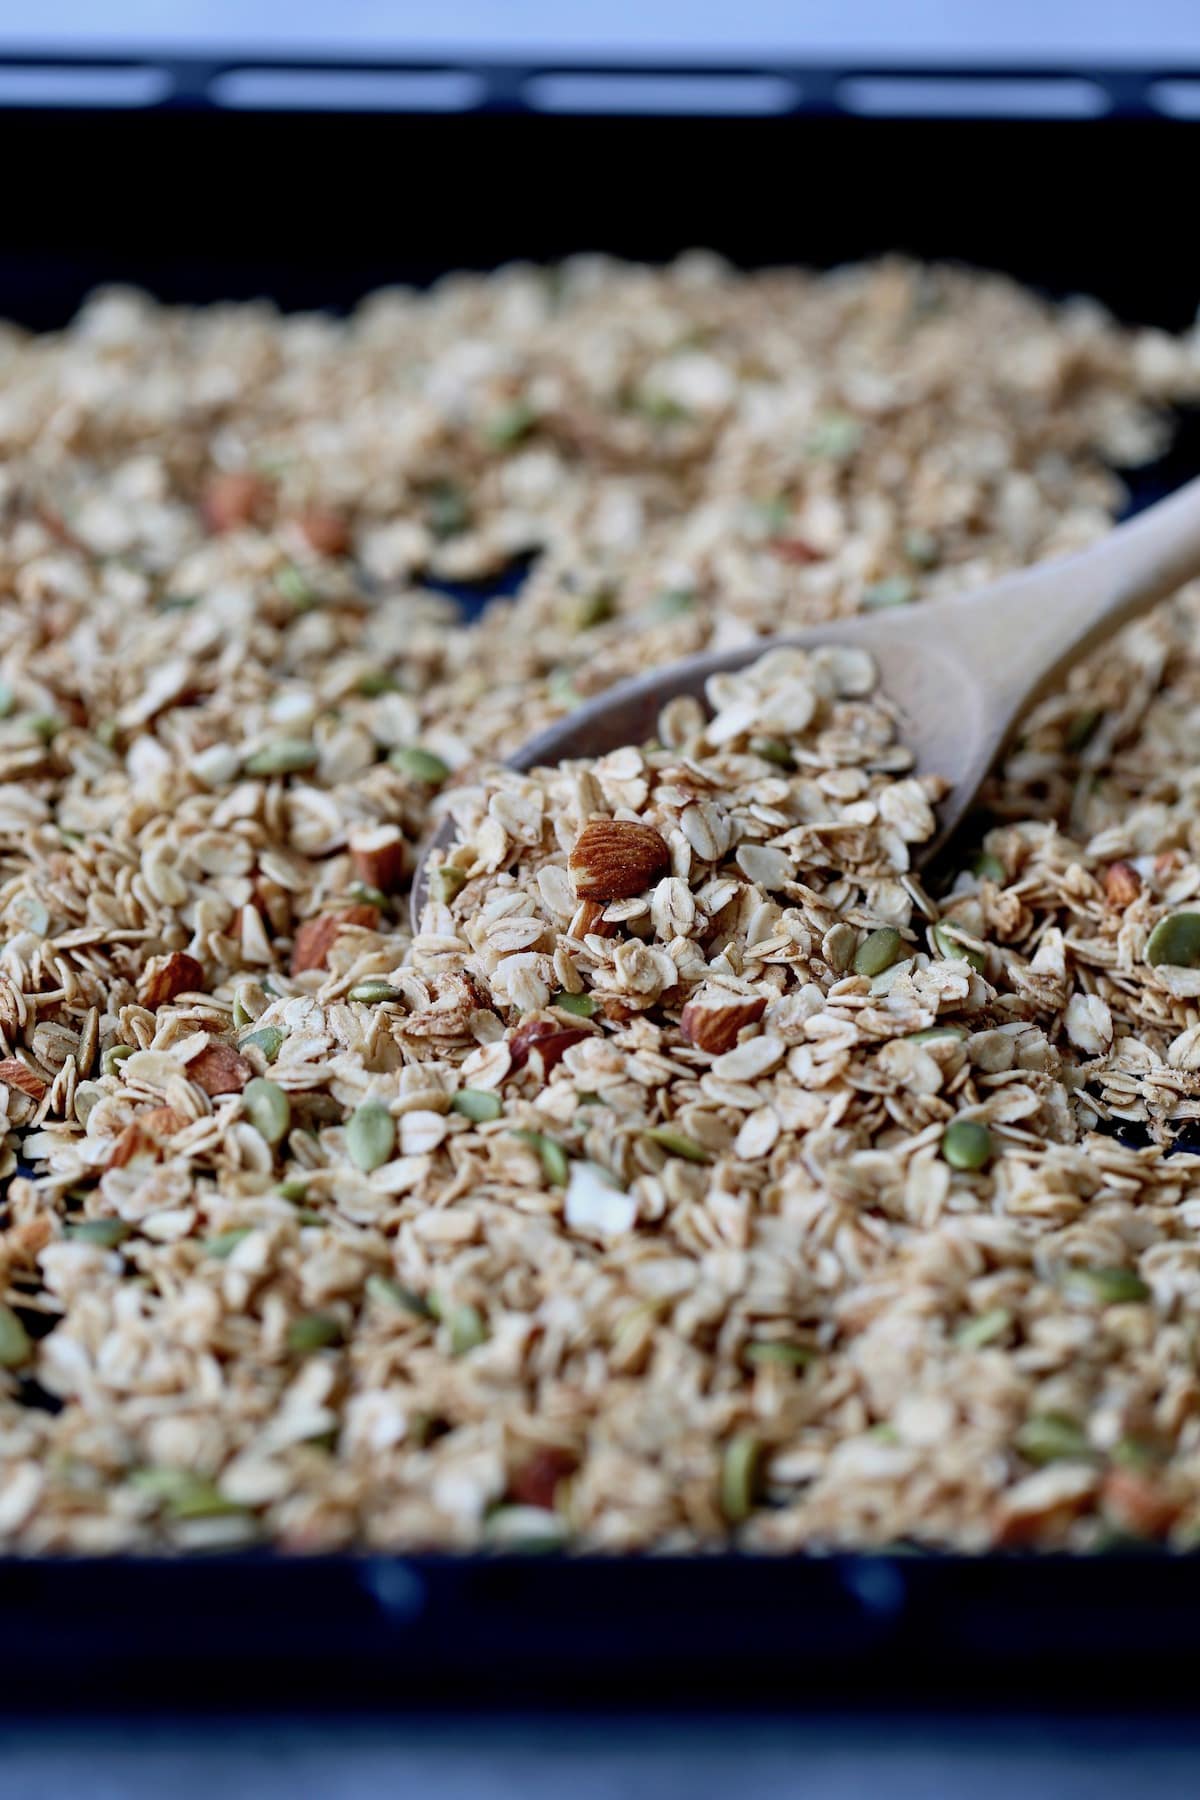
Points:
[[697, 1171]]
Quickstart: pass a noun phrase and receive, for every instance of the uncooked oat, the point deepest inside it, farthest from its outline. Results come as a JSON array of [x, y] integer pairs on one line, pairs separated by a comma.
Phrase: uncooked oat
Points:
[[649, 1239]]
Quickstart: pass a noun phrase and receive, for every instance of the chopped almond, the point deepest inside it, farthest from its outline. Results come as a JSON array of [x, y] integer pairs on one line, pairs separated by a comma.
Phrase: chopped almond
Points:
[[144, 1135], [712, 1023], [326, 531], [1122, 884], [166, 977], [314, 939], [220, 1069], [236, 498], [551, 1042], [380, 856]]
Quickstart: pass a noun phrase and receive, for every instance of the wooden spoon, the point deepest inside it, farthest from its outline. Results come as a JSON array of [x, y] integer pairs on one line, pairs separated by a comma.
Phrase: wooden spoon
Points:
[[959, 672]]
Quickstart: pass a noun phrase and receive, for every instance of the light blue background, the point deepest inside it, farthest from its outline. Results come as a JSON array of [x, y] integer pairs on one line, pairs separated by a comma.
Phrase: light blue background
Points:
[[1122, 30]]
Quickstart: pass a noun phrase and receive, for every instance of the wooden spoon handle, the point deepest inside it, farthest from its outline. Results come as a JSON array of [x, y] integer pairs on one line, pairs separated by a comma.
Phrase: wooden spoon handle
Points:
[[1037, 624]]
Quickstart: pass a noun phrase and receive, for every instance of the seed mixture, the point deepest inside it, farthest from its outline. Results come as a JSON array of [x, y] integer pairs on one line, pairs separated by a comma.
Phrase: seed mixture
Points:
[[698, 1172]]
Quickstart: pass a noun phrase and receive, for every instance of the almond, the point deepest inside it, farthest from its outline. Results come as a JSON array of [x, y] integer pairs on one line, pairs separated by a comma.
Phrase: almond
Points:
[[220, 1069], [796, 550], [16, 1075], [614, 859], [142, 1135], [165, 977], [315, 937], [534, 1482], [712, 1023], [325, 531], [1122, 884], [234, 499], [551, 1041], [380, 856], [1136, 1503], [588, 920]]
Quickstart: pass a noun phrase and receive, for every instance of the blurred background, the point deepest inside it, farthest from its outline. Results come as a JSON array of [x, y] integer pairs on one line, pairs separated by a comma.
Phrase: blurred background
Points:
[[905, 29], [182, 146]]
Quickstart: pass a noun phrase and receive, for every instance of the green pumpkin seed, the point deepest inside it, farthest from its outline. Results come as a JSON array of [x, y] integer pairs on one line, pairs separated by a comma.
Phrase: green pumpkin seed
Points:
[[839, 946], [370, 1136], [226, 1242], [43, 725], [314, 1331], [1175, 941], [286, 756], [526, 1530], [562, 688], [394, 1294], [293, 586], [294, 1188], [986, 867], [268, 1109], [368, 896], [835, 437], [893, 590], [1051, 1437], [106, 1234], [184, 1495], [1082, 728], [447, 511], [878, 951], [16, 1346], [421, 765], [773, 750], [107, 733], [983, 1330], [376, 682], [967, 1144], [948, 946], [676, 1143], [922, 549], [508, 427], [477, 1104], [555, 1163], [374, 993], [88, 1096], [1135, 1453], [1110, 1287], [937, 1033], [589, 610], [446, 882], [741, 1468], [114, 1056], [581, 1006], [28, 913], [672, 603], [468, 1329], [771, 1350], [268, 1039], [7, 699]]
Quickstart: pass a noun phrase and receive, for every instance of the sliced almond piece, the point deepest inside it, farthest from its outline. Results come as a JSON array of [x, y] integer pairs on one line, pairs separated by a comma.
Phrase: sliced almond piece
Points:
[[380, 856], [165, 977], [551, 1042], [713, 1020], [315, 937], [144, 1135], [15, 1074], [1122, 884], [220, 1069]]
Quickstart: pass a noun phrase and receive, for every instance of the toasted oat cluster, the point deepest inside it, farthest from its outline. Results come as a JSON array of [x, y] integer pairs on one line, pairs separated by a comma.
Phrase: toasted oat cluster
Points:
[[699, 1172]]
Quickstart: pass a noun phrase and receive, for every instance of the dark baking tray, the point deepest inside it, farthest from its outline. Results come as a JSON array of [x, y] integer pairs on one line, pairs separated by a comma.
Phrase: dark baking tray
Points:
[[199, 202]]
